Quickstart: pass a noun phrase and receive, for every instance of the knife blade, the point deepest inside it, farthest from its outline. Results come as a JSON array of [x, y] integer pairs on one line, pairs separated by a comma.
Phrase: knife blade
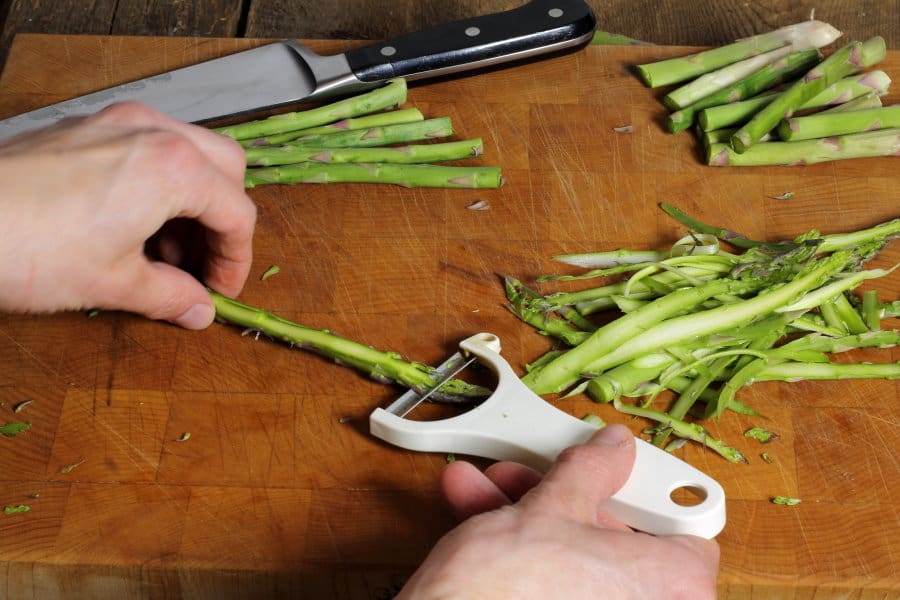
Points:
[[286, 72]]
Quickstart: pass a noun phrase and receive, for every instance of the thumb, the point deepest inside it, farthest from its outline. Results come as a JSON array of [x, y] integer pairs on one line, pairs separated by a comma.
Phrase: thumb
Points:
[[585, 476], [165, 292]]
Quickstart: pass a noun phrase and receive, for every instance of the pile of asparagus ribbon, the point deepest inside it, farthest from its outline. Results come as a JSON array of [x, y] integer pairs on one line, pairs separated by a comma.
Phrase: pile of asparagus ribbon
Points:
[[363, 139], [772, 99], [695, 320]]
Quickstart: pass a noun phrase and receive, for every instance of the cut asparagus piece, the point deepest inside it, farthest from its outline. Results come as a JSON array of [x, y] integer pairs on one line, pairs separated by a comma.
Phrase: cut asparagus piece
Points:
[[716, 80], [430, 129], [850, 59], [830, 124], [722, 136], [390, 95], [781, 70], [810, 34], [403, 175], [385, 367], [884, 142], [391, 117], [848, 88], [412, 154]]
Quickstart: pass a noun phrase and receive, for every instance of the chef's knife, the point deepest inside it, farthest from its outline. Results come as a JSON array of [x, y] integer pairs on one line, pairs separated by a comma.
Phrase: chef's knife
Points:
[[287, 73]]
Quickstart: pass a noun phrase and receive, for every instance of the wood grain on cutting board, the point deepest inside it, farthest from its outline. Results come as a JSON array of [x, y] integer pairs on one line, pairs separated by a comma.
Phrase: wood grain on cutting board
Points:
[[280, 491]]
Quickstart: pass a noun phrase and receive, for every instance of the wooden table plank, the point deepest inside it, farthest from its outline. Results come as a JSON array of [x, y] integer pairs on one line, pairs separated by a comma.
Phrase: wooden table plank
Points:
[[671, 22]]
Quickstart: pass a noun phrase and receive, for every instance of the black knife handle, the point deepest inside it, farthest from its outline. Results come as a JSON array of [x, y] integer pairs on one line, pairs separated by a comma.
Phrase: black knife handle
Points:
[[539, 26]]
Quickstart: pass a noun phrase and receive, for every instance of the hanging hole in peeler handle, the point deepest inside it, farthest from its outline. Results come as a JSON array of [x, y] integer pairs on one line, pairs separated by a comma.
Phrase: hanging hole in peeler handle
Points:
[[688, 495]]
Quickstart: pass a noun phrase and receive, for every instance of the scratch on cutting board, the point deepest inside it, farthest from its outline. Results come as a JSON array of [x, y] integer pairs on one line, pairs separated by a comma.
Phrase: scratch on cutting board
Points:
[[34, 357]]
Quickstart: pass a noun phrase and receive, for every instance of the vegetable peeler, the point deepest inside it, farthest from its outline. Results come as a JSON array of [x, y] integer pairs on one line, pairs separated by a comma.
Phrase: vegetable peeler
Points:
[[515, 424]]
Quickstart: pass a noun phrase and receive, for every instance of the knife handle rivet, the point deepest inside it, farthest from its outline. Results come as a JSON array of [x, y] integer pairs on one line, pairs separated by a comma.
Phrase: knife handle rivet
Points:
[[555, 12], [472, 31], [388, 51]]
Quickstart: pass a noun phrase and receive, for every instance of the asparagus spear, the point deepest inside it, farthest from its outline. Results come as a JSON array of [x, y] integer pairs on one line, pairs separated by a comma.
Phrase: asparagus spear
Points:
[[417, 153], [391, 117], [848, 88], [674, 70], [722, 136], [829, 124], [429, 129], [390, 95], [403, 175], [606, 38], [385, 367], [848, 60], [716, 80], [781, 70], [884, 142]]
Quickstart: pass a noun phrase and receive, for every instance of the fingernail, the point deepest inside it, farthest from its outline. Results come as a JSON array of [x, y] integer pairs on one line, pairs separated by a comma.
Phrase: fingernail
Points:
[[199, 316], [613, 435]]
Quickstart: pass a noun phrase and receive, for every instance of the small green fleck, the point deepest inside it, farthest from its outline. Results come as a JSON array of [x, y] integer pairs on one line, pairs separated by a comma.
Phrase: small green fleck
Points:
[[765, 456], [594, 420], [93, 313], [69, 468], [18, 407], [505, 416], [785, 501], [184, 437], [784, 196], [11, 510], [451, 458], [273, 270], [761, 435], [11, 429]]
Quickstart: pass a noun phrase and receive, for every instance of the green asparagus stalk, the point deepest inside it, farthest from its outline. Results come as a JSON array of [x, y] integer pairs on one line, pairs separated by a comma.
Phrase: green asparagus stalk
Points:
[[674, 70], [862, 103], [373, 137], [412, 154], [391, 117], [884, 142], [402, 175], [714, 81], [850, 59], [829, 124], [384, 367], [633, 336], [683, 429], [848, 88], [781, 70], [606, 38], [390, 95], [792, 371]]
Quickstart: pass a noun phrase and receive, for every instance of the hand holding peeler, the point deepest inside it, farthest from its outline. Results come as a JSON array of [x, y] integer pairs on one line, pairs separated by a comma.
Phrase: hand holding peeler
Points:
[[515, 424]]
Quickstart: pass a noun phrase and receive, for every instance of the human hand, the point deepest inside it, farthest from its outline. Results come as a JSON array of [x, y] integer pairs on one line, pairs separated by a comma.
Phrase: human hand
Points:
[[525, 536], [82, 198]]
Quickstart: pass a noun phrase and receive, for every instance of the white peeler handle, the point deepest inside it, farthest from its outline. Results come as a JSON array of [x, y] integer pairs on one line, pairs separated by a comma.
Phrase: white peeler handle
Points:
[[516, 424]]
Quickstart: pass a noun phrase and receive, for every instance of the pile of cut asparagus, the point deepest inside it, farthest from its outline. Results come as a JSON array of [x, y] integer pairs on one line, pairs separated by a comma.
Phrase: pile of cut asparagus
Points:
[[772, 99], [363, 139], [696, 320], [703, 322]]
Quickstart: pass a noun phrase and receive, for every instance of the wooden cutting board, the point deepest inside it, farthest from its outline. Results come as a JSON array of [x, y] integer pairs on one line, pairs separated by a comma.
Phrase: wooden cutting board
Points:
[[280, 491]]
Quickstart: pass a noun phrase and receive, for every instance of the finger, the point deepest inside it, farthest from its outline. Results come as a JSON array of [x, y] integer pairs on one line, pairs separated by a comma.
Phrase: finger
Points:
[[513, 479], [201, 192], [225, 153], [468, 491], [585, 476], [157, 291]]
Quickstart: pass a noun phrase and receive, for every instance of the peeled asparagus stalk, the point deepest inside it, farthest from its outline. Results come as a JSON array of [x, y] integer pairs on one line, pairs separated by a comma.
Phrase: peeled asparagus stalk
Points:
[[848, 88], [830, 124], [850, 59], [808, 34], [884, 142]]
